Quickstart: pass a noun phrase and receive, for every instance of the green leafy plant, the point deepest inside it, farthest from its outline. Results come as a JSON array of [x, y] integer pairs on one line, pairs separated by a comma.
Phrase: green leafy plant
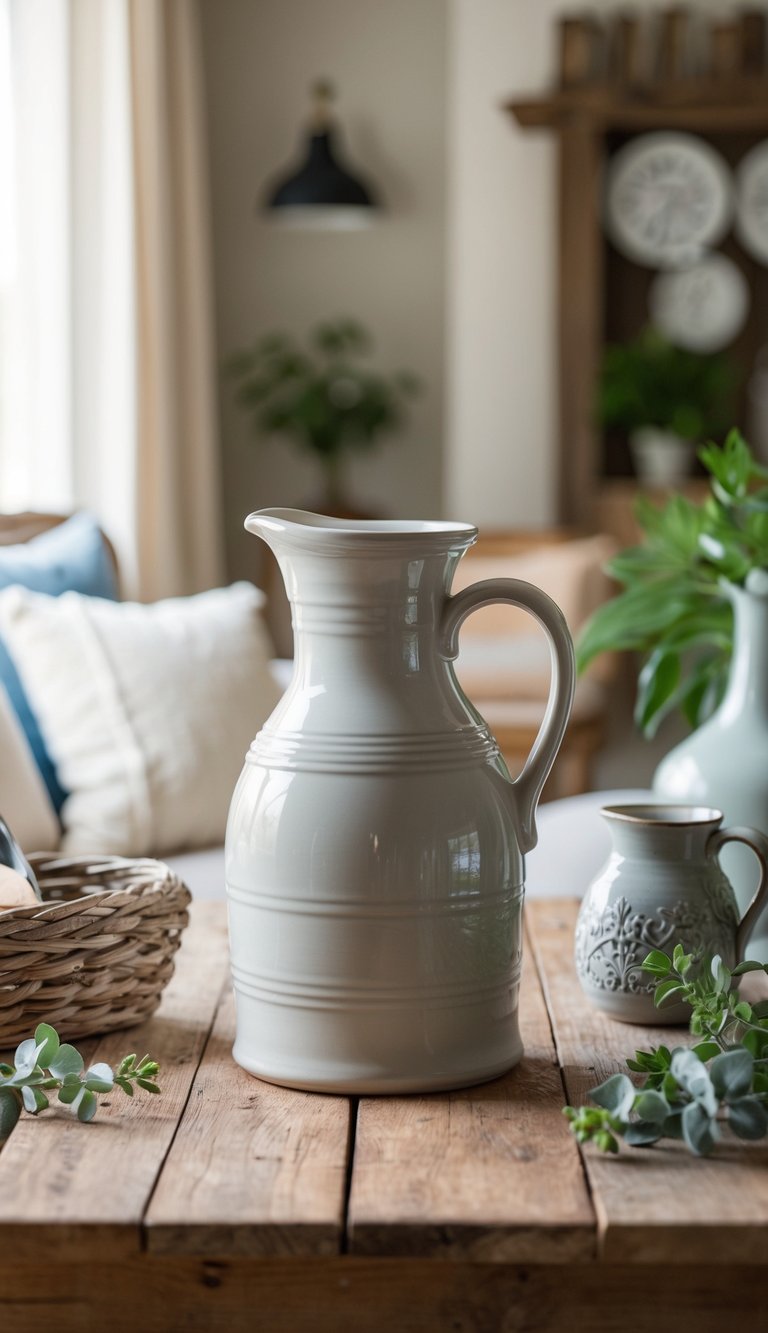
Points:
[[44, 1065], [650, 382], [319, 395], [692, 1091], [674, 608]]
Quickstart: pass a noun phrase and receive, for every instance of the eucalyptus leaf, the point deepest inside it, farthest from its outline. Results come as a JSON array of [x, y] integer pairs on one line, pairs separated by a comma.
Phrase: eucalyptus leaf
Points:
[[616, 1094], [48, 1038], [700, 1129], [688, 1070], [34, 1100], [642, 1133], [10, 1110], [67, 1061], [748, 1118], [70, 1092], [652, 1106], [99, 1078], [731, 1073], [26, 1058], [86, 1106]]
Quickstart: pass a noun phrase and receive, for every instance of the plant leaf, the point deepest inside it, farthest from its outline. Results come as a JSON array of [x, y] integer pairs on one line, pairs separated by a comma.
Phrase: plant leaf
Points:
[[87, 1106], [642, 1133], [10, 1110], [70, 1092], [147, 1085], [731, 1073], [67, 1061], [657, 963], [34, 1100], [692, 1075], [706, 1050], [667, 989], [748, 1118], [699, 1129], [99, 1078], [652, 1106], [616, 1094], [48, 1038], [25, 1059]]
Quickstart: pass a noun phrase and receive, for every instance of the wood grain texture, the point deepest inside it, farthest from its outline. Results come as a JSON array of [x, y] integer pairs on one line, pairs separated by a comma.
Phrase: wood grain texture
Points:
[[255, 1169], [489, 1173], [67, 1187], [657, 1205], [348, 1295]]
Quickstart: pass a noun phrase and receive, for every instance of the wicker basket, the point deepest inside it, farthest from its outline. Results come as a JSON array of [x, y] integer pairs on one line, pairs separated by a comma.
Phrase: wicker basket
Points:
[[96, 954]]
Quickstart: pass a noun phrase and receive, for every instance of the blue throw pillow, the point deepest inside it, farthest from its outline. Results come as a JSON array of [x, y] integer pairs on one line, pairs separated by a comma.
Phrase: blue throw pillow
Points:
[[71, 557]]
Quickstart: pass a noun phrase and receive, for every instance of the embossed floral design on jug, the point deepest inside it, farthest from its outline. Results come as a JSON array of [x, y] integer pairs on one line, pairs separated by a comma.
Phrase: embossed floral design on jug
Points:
[[374, 857]]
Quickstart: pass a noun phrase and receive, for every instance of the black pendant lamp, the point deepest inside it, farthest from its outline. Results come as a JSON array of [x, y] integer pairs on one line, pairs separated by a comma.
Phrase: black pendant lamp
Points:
[[322, 193]]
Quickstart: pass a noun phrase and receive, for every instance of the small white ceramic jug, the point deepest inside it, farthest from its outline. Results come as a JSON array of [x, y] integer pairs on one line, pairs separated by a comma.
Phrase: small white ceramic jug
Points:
[[662, 885], [374, 857]]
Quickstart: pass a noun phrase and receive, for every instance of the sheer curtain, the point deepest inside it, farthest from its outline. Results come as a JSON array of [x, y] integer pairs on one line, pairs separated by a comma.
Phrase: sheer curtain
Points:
[[107, 365]]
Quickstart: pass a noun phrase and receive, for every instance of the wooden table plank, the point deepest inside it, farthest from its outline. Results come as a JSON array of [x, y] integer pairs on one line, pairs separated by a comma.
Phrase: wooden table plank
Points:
[[488, 1173], [67, 1187], [255, 1169], [657, 1205], [350, 1295]]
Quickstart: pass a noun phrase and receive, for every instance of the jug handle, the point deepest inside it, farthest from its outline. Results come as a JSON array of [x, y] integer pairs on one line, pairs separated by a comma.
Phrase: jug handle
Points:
[[489, 592], [758, 843]]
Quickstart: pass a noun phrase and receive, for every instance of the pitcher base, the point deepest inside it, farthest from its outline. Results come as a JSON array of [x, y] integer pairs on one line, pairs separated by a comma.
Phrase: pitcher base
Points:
[[377, 1084]]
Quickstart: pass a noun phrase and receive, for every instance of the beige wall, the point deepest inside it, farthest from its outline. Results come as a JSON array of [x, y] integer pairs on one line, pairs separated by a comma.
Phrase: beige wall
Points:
[[388, 61], [458, 281]]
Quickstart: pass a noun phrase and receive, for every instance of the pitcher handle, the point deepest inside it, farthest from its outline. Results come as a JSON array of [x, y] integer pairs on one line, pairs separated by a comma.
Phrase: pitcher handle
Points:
[[758, 843], [537, 767]]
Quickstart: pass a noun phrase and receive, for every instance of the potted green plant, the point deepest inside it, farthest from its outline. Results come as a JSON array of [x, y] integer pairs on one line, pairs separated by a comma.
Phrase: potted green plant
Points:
[[320, 395], [675, 607], [694, 603], [667, 399]]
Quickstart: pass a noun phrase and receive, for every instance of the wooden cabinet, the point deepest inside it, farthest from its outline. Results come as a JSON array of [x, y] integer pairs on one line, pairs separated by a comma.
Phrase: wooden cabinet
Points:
[[620, 79]]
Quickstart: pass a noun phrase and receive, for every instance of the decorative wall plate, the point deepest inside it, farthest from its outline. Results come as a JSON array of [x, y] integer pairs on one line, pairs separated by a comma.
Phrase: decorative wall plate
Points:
[[668, 198], [752, 202], [702, 307]]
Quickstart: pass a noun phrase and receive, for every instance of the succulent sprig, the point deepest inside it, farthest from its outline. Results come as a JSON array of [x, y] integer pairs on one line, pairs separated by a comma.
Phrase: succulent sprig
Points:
[[44, 1067], [690, 1092]]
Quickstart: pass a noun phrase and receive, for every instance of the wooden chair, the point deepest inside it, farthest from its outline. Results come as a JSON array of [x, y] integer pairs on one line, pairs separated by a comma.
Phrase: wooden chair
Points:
[[505, 668]]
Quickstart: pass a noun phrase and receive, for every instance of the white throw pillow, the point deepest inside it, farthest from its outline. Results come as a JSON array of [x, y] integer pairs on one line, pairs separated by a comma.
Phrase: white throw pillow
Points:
[[24, 802], [147, 711]]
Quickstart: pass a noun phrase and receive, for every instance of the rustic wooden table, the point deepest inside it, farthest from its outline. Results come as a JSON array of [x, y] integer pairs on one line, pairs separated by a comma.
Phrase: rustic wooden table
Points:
[[230, 1204]]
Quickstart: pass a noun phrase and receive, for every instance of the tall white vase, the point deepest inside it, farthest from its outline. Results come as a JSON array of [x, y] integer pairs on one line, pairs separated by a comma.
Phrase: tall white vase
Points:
[[725, 762]]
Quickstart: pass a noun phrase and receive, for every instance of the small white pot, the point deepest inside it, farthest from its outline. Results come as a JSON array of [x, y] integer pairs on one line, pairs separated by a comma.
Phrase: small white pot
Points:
[[660, 457]]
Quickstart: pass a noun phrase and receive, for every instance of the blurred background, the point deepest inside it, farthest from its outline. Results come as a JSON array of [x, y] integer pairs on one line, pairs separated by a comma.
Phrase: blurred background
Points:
[[423, 258]]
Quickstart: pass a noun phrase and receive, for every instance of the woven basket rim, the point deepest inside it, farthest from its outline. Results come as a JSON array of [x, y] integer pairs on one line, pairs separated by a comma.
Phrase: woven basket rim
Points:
[[150, 876]]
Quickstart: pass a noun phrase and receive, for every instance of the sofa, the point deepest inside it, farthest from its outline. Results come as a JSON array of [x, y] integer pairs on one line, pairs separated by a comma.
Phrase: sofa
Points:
[[503, 666]]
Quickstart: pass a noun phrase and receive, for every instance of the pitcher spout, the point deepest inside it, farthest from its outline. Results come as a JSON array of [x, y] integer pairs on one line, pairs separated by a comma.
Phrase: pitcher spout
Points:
[[322, 534]]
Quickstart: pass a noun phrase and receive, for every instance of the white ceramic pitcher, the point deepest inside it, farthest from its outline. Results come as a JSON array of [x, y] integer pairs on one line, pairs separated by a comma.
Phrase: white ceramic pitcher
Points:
[[374, 857]]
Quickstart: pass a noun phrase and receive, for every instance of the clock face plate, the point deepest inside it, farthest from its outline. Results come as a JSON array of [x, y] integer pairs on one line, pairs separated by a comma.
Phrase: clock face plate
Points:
[[752, 202], [702, 307], [668, 198]]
